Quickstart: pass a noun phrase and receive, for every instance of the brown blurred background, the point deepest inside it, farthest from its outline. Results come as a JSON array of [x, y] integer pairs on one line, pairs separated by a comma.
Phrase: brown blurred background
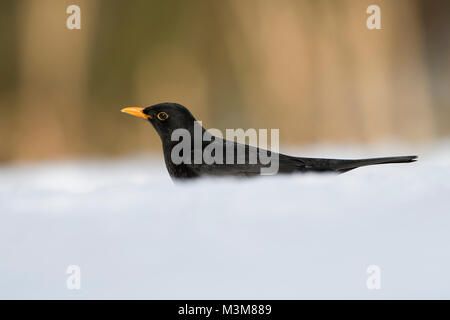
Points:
[[308, 67]]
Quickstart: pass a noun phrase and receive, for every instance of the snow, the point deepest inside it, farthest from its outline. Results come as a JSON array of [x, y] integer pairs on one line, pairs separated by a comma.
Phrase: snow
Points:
[[136, 234]]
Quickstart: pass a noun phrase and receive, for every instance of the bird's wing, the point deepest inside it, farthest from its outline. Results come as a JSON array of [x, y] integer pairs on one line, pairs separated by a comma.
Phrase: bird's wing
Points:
[[242, 160]]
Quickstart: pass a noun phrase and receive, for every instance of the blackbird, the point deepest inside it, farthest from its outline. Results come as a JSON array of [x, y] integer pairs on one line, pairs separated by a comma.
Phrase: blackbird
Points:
[[167, 117]]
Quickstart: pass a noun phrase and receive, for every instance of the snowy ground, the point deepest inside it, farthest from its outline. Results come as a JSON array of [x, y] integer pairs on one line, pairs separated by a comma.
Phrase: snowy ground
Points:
[[135, 234]]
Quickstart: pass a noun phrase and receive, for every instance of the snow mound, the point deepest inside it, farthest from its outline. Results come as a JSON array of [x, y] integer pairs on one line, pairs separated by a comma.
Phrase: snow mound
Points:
[[135, 234]]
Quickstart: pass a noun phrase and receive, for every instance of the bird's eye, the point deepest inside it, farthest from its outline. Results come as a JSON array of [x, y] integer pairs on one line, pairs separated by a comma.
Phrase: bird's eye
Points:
[[162, 116]]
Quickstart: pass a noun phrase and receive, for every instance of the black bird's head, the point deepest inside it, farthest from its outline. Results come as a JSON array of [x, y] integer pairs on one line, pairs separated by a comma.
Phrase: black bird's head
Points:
[[165, 117]]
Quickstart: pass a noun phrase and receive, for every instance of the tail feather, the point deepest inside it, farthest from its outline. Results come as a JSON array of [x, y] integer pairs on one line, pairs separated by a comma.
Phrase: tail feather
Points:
[[353, 164], [342, 166]]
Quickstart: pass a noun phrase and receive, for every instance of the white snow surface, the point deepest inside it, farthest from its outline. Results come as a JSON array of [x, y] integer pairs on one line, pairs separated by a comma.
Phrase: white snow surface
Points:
[[136, 234]]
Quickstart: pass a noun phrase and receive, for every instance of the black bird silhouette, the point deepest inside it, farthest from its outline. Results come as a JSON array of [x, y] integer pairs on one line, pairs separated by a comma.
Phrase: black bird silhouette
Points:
[[167, 117]]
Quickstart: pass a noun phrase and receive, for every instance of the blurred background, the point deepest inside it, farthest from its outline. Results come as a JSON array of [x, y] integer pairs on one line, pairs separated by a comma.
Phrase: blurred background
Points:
[[310, 68]]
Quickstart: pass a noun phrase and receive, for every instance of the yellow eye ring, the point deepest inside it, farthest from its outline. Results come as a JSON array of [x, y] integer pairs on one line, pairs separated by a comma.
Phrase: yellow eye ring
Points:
[[162, 116]]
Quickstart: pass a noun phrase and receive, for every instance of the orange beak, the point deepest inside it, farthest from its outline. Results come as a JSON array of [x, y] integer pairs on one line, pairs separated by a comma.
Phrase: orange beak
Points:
[[136, 111]]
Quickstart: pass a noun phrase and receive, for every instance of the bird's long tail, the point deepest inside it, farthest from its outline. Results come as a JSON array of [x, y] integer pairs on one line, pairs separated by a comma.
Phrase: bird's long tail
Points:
[[338, 165]]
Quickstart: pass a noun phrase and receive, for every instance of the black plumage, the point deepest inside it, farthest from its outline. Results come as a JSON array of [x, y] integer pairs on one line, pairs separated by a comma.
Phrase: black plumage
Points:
[[167, 117]]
